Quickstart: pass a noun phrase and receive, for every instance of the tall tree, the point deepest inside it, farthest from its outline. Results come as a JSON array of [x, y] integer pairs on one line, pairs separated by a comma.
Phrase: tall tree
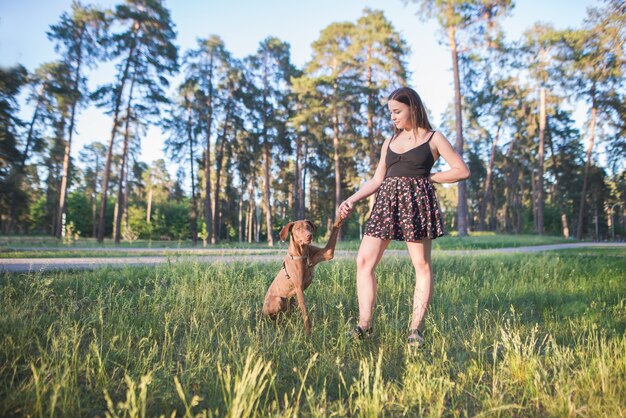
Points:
[[76, 37], [183, 127], [334, 68], [11, 82], [539, 45], [226, 137], [270, 71], [593, 59], [208, 65], [147, 53], [59, 101], [92, 155], [455, 18], [380, 54]]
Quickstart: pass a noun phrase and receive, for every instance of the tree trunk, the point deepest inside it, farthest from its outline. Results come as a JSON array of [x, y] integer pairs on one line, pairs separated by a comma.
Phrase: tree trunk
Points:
[[533, 196], [558, 195], [107, 164], [540, 156], [257, 224], [250, 210], [63, 190], [219, 159], [149, 206], [126, 199], [581, 206], [208, 220], [337, 163], [31, 130], [240, 212], [297, 176], [370, 114], [517, 199], [305, 166], [462, 212], [266, 162], [94, 214], [487, 194], [57, 220], [120, 184], [228, 154], [94, 208], [68, 145], [193, 223]]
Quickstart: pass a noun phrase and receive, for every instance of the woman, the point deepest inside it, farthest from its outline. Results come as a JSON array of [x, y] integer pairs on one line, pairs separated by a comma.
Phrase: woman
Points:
[[406, 207]]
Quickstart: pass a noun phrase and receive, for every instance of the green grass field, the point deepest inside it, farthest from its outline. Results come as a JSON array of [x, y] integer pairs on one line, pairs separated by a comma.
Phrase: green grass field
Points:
[[508, 335]]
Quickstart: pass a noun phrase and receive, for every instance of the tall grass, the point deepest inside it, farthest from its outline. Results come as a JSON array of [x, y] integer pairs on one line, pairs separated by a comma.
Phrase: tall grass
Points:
[[514, 335]]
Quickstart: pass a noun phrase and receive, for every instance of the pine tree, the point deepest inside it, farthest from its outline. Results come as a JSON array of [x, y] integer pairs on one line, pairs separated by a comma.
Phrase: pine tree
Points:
[[269, 71], [76, 36], [458, 18], [145, 46]]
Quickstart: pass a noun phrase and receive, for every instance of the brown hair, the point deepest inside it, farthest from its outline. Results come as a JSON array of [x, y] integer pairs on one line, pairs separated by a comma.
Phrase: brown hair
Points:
[[408, 96]]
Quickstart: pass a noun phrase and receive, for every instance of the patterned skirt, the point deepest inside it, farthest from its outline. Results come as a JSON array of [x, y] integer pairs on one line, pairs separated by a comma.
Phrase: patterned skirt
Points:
[[406, 209]]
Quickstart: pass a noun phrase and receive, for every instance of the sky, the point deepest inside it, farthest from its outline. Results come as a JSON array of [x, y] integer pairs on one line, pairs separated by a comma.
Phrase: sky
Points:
[[242, 24]]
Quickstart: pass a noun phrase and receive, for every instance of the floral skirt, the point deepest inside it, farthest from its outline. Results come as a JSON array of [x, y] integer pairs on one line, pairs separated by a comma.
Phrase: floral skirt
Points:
[[406, 209]]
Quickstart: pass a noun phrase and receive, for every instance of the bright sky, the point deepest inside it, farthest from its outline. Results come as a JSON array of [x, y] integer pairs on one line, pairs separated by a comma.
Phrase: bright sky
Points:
[[242, 24]]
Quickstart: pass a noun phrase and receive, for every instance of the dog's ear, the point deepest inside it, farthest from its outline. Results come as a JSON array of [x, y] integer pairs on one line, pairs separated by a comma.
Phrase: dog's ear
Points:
[[312, 225], [284, 233]]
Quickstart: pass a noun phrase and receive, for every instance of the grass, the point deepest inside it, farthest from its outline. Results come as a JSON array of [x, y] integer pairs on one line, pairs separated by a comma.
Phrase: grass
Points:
[[508, 335], [47, 247]]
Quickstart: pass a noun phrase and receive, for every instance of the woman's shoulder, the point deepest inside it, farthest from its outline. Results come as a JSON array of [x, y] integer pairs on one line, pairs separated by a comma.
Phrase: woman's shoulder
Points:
[[437, 136], [386, 142]]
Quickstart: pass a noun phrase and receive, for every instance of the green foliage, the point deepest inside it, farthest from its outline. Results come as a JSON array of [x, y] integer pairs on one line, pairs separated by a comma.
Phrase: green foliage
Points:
[[12, 199], [137, 221], [79, 212], [70, 233], [169, 221], [37, 218]]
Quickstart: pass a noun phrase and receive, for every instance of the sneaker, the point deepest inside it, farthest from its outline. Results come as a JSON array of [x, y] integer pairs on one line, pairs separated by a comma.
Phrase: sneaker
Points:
[[358, 333], [416, 339]]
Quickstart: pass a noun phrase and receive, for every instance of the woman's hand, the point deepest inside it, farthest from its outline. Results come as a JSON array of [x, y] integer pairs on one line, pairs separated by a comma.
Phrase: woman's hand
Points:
[[346, 207]]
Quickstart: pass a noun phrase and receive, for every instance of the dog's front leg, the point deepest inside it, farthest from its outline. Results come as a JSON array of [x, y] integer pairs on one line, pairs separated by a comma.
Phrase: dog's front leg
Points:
[[328, 252], [305, 313]]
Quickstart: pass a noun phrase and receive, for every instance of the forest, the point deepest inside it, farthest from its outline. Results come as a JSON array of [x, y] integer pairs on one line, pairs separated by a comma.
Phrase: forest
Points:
[[257, 141]]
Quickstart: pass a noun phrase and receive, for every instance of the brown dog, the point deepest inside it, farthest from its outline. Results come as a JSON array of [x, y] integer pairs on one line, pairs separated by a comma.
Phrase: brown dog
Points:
[[296, 273]]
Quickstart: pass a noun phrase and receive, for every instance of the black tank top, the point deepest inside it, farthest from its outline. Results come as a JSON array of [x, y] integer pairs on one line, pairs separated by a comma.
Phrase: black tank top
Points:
[[416, 162]]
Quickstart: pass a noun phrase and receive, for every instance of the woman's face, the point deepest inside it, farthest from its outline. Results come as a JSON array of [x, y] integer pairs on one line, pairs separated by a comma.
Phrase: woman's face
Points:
[[400, 114]]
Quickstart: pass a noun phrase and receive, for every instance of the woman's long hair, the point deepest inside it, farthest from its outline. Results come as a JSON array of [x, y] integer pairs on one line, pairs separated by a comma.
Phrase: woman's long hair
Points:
[[419, 118]]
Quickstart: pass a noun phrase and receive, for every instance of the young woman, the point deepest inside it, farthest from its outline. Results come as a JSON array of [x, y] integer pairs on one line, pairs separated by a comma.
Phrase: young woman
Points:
[[406, 207]]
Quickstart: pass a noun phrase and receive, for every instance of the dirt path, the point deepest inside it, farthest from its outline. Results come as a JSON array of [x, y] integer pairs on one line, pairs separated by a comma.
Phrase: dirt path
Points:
[[21, 265]]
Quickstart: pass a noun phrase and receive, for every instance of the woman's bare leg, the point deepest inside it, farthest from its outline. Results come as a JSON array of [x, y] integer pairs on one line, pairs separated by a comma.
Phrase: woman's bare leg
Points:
[[370, 253], [420, 257]]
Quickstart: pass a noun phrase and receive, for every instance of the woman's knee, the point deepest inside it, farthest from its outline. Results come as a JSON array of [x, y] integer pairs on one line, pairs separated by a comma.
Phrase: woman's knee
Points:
[[421, 265], [365, 263]]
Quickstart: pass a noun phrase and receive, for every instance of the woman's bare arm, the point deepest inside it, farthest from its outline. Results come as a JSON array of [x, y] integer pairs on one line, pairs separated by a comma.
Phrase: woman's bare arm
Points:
[[368, 188], [458, 169]]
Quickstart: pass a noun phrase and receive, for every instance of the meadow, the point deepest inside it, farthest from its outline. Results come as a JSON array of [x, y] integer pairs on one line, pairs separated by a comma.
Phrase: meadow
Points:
[[507, 335]]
